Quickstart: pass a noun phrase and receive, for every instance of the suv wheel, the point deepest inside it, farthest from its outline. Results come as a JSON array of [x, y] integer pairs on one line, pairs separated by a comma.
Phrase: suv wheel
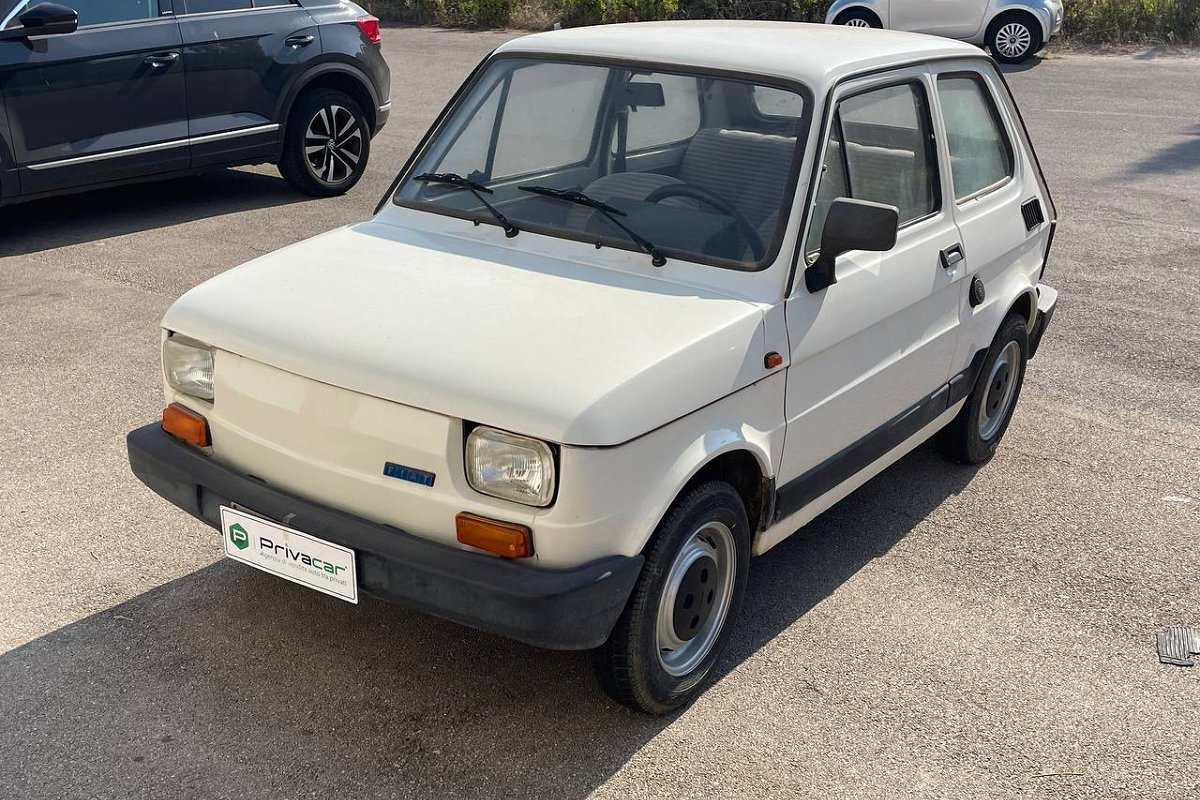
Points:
[[1013, 38], [975, 433], [667, 642], [327, 144]]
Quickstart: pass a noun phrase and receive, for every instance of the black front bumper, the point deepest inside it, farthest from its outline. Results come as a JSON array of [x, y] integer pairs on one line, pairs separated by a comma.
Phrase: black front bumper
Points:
[[561, 609]]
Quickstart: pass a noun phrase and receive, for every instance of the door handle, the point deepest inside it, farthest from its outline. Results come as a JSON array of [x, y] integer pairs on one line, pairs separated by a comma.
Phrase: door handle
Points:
[[952, 256], [159, 60], [302, 40]]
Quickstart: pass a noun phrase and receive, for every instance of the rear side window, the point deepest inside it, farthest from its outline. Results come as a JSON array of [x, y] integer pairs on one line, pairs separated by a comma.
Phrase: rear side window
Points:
[[772, 102], [981, 155], [205, 6], [879, 150]]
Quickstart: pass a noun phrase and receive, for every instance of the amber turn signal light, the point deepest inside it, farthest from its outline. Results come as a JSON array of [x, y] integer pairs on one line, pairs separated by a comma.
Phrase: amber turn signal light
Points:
[[185, 424], [502, 538], [772, 360]]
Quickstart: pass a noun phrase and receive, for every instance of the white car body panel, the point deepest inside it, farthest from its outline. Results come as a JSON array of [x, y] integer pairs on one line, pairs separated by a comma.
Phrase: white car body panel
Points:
[[578, 356], [959, 19], [384, 340], [878, 341]]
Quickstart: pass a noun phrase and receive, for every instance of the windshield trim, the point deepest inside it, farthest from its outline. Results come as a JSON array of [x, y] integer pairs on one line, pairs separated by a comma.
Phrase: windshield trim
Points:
[[786, 203]]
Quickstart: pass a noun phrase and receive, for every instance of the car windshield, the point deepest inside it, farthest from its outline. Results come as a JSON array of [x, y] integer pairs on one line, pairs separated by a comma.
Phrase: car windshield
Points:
[[677, 164]]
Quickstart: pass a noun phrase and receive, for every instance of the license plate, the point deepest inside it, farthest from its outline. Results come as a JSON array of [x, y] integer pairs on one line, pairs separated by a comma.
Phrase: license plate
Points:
[[290, 554]]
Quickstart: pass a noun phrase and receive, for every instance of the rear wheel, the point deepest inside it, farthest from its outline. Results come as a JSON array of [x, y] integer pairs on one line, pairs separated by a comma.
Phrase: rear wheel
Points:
[[975, 433], [858, 18], [326, 145], [1013, 38], [666, 643]]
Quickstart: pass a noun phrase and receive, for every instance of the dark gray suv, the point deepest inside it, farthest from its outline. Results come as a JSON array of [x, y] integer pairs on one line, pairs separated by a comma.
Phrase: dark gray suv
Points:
[[99, 92]]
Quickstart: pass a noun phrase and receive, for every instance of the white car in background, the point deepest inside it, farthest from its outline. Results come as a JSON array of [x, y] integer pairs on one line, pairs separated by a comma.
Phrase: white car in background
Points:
[[1012, 29]]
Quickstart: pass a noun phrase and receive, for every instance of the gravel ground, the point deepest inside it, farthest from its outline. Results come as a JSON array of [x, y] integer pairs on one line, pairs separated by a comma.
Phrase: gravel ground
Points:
[[942, 633]]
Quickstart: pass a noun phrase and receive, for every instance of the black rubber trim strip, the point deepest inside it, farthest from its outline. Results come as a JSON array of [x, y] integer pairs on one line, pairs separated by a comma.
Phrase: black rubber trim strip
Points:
[[840, 467], [572, 609], [1039, 328]]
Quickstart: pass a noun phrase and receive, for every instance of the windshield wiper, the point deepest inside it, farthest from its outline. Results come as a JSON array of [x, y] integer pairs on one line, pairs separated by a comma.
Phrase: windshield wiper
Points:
[[611, 212], [474, 187]]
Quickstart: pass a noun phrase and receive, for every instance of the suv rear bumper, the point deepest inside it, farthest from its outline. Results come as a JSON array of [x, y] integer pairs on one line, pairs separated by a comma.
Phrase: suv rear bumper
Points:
[[571, 609]]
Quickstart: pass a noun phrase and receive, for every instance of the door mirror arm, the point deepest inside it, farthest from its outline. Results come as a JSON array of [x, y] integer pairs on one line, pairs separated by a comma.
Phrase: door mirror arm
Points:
[[851, 225], [44, 19]]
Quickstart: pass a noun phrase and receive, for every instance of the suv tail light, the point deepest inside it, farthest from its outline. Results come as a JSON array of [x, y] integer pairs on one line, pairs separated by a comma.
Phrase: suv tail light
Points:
[[369, 25]]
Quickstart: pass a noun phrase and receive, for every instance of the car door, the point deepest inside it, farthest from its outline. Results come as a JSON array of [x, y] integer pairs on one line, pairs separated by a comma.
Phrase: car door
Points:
[[881, 340], [1001, 218], [103, 103], [242, 56], [955, 18]]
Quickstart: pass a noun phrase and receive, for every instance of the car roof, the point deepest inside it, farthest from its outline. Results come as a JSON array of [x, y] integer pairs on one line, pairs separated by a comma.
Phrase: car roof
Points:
[[816, 55]]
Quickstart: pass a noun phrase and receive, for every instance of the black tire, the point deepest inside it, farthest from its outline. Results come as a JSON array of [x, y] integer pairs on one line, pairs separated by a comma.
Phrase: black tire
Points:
[[1010, 31], [857, 16], [630, 666], [332, 171], [974, 434]]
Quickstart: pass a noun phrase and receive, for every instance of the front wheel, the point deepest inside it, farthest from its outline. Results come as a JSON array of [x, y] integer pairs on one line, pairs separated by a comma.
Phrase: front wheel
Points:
[[1014, 38], [326, 144], [666, 644]]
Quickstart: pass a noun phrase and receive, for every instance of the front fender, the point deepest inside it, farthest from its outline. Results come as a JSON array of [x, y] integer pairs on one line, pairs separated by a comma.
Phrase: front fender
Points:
[[611, 499]]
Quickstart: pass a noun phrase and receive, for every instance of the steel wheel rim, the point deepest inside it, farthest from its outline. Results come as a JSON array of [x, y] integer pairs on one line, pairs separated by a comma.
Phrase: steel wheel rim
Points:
[[857, 22], [1013, 40], [333, 144], [710, 548], [999, 391]]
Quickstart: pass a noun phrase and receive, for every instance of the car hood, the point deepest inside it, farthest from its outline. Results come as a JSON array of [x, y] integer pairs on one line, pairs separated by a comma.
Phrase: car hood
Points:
[[563, 351]]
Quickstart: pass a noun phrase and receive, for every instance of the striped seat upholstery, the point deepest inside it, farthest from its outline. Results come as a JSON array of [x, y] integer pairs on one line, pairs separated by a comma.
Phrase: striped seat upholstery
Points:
[[617, 187], [751, 170]]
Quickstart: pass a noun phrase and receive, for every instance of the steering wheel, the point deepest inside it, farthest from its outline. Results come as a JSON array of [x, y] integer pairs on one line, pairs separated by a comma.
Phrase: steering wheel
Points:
[[749, 234]]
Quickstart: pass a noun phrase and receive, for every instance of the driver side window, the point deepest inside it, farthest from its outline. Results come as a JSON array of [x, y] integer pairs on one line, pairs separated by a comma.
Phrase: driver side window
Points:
[[879, 150], [95, 12]]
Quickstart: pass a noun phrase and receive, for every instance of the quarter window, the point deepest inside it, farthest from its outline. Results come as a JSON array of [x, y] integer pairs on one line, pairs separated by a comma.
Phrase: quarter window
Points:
[[980, 153], [879, 150]]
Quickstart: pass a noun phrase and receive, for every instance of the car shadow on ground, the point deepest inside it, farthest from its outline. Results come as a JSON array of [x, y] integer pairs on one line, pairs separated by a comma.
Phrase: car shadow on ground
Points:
[[1031, 63], [39, 225], [228, 682], [1183, 157]]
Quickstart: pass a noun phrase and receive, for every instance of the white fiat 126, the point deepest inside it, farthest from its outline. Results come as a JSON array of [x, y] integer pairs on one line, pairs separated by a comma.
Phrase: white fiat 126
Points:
[[644, 301]]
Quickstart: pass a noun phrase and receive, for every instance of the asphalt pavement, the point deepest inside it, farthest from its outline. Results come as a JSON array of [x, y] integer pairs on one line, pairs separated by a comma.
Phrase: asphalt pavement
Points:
[[945, 632]]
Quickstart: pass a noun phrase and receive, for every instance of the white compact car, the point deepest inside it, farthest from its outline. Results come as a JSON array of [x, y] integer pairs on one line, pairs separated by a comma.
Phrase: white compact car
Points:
[[645, 300], [1012, 29]]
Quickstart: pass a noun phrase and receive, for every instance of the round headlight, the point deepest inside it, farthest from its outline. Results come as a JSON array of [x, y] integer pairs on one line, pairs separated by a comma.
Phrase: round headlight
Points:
[[510, 467], [188, 365]]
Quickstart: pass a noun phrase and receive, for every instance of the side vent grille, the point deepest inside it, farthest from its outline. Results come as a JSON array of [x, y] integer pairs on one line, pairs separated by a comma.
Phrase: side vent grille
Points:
[[1031, 210]]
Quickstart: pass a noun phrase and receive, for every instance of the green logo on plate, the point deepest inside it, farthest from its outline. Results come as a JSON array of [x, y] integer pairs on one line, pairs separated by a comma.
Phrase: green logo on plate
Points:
[[238, 535]]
